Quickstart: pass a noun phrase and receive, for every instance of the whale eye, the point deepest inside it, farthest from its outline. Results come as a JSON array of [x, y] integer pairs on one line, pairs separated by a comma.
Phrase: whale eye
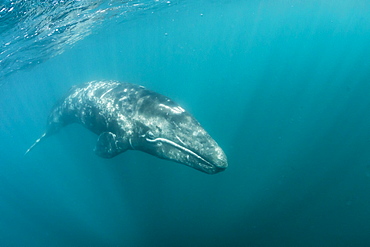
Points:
[[150, 135]]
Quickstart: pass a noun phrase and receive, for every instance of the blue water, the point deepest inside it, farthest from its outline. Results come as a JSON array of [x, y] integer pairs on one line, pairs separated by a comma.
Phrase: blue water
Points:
[[283, 87]]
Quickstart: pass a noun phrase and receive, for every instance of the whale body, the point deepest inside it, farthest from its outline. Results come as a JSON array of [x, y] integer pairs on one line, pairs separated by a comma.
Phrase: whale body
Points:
[[126, 116]]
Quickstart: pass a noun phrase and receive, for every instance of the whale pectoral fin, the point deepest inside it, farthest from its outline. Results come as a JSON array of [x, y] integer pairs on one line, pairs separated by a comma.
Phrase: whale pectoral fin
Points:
[[108, 145]]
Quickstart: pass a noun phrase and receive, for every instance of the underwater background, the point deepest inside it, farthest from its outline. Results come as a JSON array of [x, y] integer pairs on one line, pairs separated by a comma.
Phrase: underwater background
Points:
[[282, 85]]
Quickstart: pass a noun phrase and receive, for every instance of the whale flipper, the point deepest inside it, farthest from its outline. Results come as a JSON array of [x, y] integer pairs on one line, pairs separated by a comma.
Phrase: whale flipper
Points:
[[108, 145]]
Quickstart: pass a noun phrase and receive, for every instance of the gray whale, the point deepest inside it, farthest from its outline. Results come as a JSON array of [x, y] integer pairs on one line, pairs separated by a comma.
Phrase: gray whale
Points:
[[130, 117]]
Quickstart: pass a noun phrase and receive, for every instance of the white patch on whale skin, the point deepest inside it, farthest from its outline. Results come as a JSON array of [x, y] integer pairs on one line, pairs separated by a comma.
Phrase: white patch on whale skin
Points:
[[176, 109]]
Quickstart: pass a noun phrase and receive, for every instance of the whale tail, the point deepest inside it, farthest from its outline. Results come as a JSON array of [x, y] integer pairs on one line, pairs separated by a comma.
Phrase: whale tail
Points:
[[36, 142]]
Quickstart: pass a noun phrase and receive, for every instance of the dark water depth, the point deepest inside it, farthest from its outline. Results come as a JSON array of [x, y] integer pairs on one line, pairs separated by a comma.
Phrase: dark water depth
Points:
[[283, 86]]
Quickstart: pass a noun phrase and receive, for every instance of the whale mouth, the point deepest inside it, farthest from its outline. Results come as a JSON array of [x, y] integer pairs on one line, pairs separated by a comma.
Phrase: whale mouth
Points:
[[191, 158]]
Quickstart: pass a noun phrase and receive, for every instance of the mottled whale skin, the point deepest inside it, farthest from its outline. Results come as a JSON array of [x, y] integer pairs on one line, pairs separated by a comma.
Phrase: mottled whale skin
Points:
[[130, 117]]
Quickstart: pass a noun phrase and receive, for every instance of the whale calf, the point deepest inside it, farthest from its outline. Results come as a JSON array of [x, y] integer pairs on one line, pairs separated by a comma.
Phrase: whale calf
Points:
[[126, 116]]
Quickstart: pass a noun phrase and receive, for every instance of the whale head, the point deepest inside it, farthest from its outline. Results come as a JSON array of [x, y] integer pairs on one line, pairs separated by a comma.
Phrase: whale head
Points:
[[166, 130]]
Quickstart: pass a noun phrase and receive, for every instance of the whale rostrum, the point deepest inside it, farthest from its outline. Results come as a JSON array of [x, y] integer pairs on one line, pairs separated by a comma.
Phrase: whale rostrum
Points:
[[126, 116]]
